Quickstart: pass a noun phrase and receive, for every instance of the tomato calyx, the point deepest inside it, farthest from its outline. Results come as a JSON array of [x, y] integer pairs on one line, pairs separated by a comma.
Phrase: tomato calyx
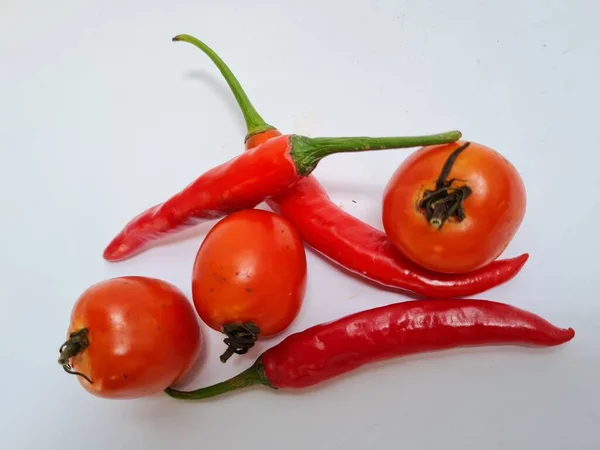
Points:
[[240, 338], [78, 341], [446, 201]]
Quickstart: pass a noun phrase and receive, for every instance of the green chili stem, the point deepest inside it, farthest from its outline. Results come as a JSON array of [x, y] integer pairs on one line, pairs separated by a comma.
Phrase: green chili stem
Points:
[[254, 375], [254, 122], [307, 152]]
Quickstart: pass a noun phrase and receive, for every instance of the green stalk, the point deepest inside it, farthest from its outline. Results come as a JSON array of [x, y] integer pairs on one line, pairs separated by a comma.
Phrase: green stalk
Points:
[[307, 152], [254, 375], [255, 124]]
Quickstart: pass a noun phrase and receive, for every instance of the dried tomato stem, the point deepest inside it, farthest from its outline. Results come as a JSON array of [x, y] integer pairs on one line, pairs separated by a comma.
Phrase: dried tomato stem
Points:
[[437, 215], [240, 338], [446, 200], [254, 122], [78, 341], [307, 152], [254, 375]]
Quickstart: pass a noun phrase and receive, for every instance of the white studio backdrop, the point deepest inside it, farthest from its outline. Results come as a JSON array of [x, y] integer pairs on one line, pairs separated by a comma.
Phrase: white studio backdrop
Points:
[[101, 115]]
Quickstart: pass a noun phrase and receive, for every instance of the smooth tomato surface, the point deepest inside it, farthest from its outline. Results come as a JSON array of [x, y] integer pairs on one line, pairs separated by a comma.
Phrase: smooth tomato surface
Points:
[[251, 267], [493, 211], [143, 336]]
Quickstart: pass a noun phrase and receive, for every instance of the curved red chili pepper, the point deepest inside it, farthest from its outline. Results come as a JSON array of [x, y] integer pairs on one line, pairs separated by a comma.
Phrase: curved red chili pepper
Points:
[[245, 181], [325, 351], [346, 240], [366, 251]]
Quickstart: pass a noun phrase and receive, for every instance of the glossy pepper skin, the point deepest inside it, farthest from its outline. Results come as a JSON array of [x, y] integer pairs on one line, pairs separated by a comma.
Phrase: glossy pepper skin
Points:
[[238, 184], [366, 251], [325, 351], [346, 240], [244, 182]]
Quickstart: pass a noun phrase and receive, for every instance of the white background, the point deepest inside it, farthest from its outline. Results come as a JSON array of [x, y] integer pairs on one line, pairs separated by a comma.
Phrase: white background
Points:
[[101, 115]]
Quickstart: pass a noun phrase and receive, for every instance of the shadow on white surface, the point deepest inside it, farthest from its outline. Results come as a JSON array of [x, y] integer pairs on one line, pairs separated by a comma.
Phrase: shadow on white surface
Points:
[[219, 86]]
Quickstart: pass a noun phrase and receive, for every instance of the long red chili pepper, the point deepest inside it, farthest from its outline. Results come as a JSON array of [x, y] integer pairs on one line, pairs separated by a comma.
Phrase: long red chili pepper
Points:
[[324, 351], [245, 181], [346, 240]]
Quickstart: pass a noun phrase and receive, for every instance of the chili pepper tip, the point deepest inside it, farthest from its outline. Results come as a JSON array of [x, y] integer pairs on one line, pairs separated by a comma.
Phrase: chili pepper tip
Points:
[[523, 259]]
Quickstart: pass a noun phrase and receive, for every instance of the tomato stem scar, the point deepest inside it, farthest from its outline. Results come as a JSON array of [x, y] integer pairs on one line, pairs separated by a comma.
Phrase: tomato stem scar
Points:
[[446, 200], [240, 338], [78, 341]]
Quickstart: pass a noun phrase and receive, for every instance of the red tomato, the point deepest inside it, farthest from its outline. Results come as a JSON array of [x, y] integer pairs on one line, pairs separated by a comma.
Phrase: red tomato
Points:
[[453, 208], [249, 277], [133, 337]]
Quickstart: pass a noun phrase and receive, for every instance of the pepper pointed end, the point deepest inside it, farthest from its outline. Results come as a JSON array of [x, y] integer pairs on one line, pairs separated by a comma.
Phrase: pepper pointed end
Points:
[[521, 260], [111, 252], [561, 336], [117, 250], [509, 268], [569, 334]]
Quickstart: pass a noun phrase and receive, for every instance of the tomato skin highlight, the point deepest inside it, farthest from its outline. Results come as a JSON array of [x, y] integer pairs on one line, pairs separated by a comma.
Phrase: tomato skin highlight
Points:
[[143, 337], [251, 267], [494, 210]]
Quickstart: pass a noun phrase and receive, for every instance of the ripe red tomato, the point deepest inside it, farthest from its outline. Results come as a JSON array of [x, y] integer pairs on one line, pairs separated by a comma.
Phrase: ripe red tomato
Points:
[[249, 277], [453, 208], [131, 337]]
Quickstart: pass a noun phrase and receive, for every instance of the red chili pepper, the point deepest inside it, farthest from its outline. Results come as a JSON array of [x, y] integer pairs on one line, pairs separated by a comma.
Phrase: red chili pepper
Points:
[[247, 180], [244, 182], [324, 351], [346, 240]]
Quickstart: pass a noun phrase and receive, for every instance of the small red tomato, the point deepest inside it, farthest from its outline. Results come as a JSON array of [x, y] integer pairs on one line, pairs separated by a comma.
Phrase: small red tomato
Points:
[[249, 278], [131, 337], [453, 208]]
